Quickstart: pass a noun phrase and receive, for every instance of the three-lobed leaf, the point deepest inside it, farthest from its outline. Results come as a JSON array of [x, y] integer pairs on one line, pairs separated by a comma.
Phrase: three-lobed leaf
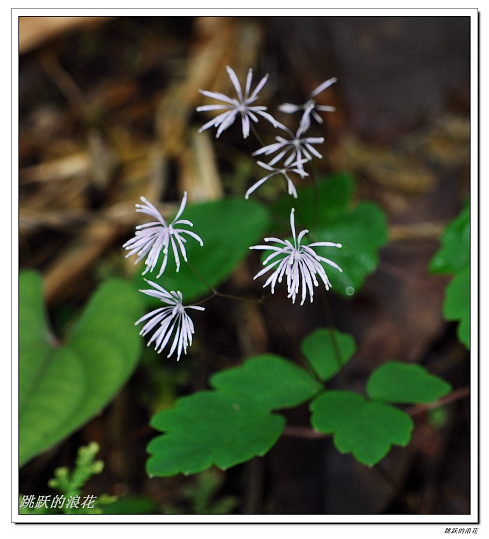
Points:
[[61, 387], [405, 383], [270, 379], [208, 428], [364, 428]]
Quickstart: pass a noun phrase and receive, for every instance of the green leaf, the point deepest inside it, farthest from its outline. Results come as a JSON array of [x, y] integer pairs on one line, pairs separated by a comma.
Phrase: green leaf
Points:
[[454, 253], [360, 228], [270, 379], [366, 429], [457, 304], [228, 228], [322, 349], [60, 388], [405, 383], [454, 258], [211, 428]]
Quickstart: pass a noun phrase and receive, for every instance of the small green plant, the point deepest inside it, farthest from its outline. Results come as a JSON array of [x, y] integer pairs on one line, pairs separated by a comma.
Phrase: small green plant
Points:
[[70, 500]]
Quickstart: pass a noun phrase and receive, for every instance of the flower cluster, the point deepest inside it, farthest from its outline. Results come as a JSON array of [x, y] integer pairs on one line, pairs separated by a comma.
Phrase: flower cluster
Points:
[[295, 259], [296, 149], [152, 239]]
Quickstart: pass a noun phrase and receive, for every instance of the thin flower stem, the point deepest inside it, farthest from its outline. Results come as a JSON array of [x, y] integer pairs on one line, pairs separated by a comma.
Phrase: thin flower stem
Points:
[[211, 288], [334, 340], [315, 198], [293, 343], [215, 292], [261, 301], [255, 132], [327, 309]]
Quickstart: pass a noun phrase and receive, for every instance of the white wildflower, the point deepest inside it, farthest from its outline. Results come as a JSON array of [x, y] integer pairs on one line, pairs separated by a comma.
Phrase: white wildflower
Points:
[[299, 149], [236, 106], [273, 172], [157, 236], [299, 263], [170, 320], [310, 106]]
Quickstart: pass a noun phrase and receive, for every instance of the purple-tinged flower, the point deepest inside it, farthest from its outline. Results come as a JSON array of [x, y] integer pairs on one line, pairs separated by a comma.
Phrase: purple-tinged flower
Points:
[[157, 236], [310, 106], [170, 320], [273, 172], [299, 263], [237, 106], [298, 147]]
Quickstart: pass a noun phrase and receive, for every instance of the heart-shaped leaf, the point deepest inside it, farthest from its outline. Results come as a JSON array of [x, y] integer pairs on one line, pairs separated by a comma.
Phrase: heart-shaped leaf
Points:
[[405, 383], [211, 428], [228, 228], [366, 429], [327, 350], [270, 379], [61, 387]]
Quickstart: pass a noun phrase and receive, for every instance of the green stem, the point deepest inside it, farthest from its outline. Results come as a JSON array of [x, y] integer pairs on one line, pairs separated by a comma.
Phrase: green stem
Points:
[[334, 340], [310, 369], [315, 198], [255, 132], [215, 292]]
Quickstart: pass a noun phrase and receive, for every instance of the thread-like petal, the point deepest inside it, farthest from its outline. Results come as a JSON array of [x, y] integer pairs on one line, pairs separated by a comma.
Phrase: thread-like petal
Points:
[[172, 320], [300, 264], [151, 239], [241, 105]]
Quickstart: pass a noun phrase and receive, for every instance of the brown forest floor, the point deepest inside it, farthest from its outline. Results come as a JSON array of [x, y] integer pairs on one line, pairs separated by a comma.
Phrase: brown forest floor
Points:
[[107, 114]]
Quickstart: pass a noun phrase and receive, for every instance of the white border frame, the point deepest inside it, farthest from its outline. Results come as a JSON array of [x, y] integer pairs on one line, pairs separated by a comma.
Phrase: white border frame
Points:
[[448, 520]]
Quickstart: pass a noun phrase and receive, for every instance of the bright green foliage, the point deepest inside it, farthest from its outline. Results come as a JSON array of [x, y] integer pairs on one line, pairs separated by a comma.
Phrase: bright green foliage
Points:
[[322, 348], [366, 429], [454, 254], [454, 258], [360, 228], [270, 379], [233, 423], [405, 383], [457, 304], [61, 387], [71, 484], [85, 467], [228, 228], [211, 427]]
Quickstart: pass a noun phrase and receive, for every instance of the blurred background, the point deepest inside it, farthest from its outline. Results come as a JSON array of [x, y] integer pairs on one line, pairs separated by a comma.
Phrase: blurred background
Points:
[[107, 114]]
